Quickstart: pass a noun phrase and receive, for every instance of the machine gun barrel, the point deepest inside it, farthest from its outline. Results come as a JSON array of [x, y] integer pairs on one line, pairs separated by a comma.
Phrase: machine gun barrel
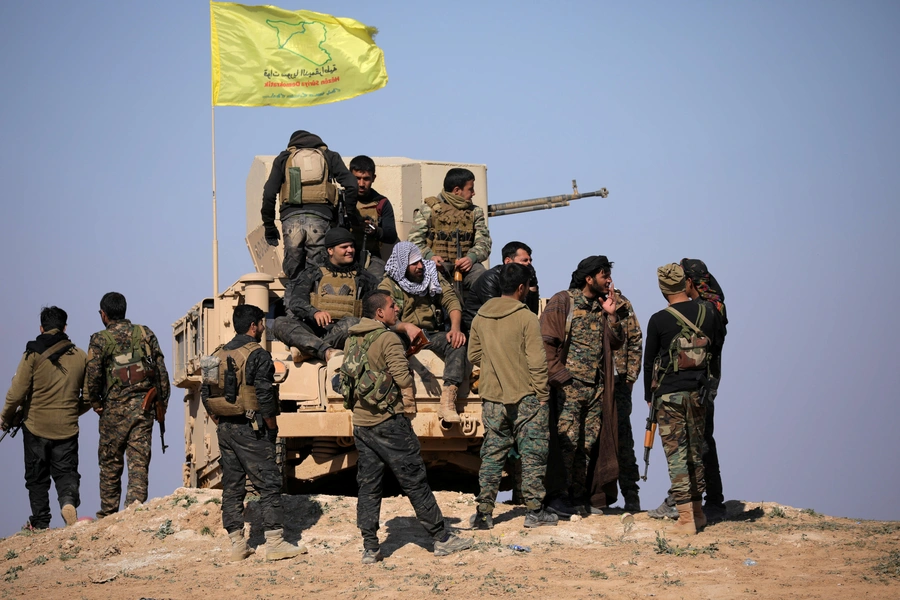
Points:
[[520, 206]]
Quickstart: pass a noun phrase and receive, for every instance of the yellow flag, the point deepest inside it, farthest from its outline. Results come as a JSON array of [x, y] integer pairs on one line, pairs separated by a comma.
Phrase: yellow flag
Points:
[[266, 56]]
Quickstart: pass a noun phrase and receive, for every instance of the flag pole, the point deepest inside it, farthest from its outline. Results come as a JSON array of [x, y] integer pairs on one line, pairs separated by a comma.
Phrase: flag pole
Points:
[[215, 243]]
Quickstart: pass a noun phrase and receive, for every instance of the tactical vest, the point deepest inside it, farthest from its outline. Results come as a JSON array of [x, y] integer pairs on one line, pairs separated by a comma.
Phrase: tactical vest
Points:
[[446, 220], [337, 294], [127, 366], [307, 179], [688, 351], [244, 401]]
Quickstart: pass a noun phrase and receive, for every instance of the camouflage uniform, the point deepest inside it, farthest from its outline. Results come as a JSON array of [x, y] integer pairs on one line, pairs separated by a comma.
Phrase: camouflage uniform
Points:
[[681, 419], [125, 429], [422, 235], [628, 368]]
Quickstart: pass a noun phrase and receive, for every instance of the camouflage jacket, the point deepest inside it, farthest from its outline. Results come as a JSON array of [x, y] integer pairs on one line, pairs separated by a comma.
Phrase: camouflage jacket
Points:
[[420, 234], [628, 357], [99, 361]]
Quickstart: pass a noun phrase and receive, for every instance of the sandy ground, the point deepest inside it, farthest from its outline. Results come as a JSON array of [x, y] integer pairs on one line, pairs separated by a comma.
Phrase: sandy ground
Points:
[[175, 547]]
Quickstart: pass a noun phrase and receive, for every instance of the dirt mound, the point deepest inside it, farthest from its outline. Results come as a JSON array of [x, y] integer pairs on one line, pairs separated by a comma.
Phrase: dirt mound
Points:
[[175, 547]]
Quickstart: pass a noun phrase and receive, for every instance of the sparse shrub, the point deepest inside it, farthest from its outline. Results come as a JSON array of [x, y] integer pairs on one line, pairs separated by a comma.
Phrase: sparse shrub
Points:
[[777, 513], [11, 554]]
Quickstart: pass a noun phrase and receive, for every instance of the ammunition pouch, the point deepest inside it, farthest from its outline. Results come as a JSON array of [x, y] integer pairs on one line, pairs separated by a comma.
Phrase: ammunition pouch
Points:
[[445, 222], [231, 396]]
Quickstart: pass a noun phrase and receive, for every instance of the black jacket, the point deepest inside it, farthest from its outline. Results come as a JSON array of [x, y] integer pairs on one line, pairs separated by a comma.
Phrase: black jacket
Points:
[[487, 287], [339, 171]]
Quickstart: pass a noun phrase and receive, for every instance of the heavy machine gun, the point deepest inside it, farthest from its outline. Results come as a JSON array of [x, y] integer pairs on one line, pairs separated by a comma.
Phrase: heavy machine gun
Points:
[[522, 206]]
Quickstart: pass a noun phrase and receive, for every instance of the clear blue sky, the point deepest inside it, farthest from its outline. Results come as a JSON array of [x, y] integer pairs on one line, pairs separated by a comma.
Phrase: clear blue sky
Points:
[[762, 137]]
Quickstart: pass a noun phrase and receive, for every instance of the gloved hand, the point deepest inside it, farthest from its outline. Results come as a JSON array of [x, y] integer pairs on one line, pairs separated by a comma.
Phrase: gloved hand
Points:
[[272, 235], [271, 434]]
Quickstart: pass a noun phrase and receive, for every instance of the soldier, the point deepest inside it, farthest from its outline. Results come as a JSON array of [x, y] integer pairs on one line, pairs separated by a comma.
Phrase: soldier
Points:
[[244, 411], [302, 177], [46, 392], [326, 300], [124, 363], [676, 365], [383, 437], [451, 216], [506, 342], [377, 214], [488, 285], [628, 368], [580, 330], [423, 296], [701, 286]]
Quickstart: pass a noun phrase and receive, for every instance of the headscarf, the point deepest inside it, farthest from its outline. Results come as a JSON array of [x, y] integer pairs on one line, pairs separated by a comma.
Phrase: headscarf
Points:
[[671, 279], [705, 283], [588, 267], [403, 255]]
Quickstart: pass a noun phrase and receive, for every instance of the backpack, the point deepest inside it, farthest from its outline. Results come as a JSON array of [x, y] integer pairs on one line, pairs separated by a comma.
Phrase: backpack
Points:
[[307, 179], [688, 351], [359, 383], [132, 366]]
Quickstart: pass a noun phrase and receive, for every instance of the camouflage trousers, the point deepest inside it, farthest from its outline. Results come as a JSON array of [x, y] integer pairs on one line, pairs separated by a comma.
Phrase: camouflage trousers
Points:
[[580, 418], [248, 454], [526, 426], [681, 422], [393, 444], [628, 467], [125, 431], [312, 339], [304, 245]]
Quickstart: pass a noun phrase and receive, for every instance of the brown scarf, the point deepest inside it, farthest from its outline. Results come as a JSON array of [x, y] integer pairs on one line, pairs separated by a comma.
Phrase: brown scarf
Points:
[[605, 473]]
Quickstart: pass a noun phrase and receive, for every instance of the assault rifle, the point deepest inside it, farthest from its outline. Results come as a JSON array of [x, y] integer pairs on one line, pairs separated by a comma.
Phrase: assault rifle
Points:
[[152, 404], [15, 423], [457, 274], [343, 217], [649, 435]]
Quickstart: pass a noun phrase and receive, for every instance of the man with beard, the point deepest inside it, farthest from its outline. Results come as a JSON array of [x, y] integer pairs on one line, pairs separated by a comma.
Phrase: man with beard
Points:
[[425, 299], [580, 330], [376, 214], [245, 415], [488, 285], [326, 301], [46, 392]]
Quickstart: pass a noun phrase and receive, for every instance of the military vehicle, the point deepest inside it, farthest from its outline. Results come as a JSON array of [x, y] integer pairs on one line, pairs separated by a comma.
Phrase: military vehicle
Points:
[[315, 448]]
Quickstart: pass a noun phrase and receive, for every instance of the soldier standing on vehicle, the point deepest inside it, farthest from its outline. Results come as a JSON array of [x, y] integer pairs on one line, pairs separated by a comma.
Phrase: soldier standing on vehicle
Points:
[[448, 220], [488, 285], [384, 437], [677, 363], [425, 299], [302, 178], [124, 364], [580, 330], [628, 369], [506, 342], [240, 398], [327, 300], [377, 224], [46, 393]]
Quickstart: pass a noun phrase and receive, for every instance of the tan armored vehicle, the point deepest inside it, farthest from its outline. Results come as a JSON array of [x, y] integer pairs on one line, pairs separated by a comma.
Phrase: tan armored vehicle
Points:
[[316, 446]]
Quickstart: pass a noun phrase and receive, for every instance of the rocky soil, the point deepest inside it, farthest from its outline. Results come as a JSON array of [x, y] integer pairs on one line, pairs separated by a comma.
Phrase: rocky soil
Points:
[[175, 547]]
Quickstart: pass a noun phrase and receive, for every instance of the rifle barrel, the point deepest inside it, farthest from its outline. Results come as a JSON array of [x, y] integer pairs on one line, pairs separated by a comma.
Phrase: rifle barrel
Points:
[[519, 206]]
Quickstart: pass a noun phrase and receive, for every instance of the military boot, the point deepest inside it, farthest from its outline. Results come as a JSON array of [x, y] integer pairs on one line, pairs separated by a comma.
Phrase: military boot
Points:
[[699, 517], [239, 548], [685, 524], [447, 411], [663, 511], [69, 514], [409, 401], [453, 543], [277, 548]]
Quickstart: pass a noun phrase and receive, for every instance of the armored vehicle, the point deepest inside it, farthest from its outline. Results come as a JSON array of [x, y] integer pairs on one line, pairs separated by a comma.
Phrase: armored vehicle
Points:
[[315, 447]]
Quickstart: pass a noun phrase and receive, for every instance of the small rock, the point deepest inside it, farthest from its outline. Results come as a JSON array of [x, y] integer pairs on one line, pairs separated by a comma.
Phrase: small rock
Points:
[[574, 518]]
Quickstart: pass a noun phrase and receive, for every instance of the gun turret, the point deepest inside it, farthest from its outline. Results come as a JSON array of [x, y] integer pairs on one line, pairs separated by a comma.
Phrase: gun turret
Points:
[[522, 206]]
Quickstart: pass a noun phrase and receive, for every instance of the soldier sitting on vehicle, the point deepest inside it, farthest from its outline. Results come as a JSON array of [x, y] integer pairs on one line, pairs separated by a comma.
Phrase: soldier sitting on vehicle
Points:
[[377, 224], [488, 285], [327, 300], [425, 299], [449, 224]]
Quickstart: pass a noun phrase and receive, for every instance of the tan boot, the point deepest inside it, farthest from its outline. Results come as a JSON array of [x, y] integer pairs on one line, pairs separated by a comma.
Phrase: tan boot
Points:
[[69, 514], [277, 548], [331, 353], [447, 411], [685, 523], [299, 356], [699, 517], [239, 548], [409, 401]]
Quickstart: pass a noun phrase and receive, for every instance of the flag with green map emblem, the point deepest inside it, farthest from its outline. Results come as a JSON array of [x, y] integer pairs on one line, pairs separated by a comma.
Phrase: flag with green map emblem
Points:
[[266, 56]]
